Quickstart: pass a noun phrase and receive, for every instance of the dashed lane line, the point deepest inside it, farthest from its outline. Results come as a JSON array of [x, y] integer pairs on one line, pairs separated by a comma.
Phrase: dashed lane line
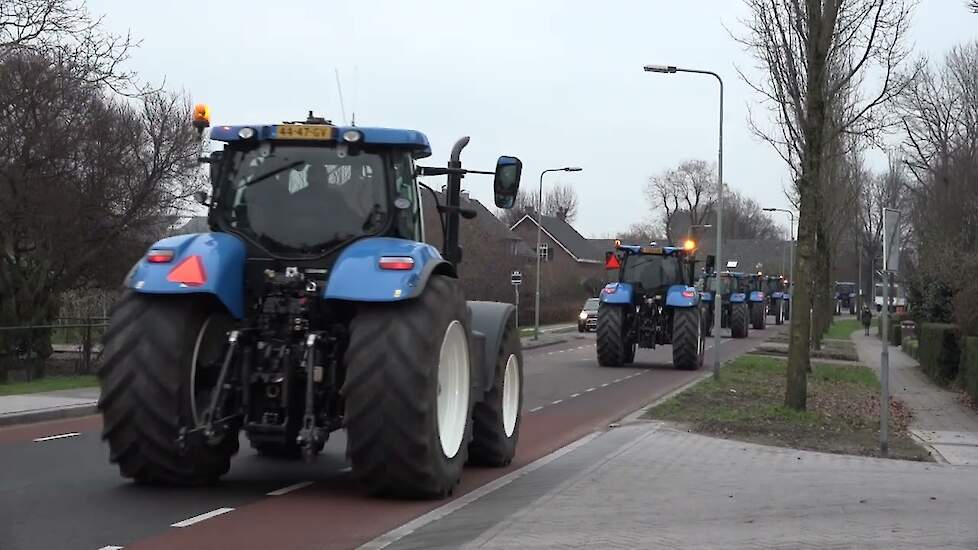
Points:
[[557, 402], [573, 395], [289, 489], [111, 548], [589, 389], [535, 409], [197, 519], [59, 436]]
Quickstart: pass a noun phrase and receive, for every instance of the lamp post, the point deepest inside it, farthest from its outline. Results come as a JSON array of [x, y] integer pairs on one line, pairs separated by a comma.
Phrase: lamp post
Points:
[[791, 232], [670, 69], [536, 307]]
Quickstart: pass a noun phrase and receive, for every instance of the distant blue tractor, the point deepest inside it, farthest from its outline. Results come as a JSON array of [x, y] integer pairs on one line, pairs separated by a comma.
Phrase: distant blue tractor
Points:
[[314, 305], [653, 302], [735, 314], [845, 298], [757, 300], [775, 291]]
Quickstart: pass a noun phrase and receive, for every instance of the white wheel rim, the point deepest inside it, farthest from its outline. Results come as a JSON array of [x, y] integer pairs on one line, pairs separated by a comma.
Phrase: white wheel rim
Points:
[[511, 395], [453, 389]]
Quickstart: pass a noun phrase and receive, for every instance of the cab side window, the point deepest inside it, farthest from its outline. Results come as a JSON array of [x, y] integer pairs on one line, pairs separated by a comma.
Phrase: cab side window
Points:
[[408, 219]]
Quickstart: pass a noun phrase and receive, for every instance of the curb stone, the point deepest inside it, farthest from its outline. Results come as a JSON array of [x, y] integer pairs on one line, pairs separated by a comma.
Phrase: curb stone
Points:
[[42, 415]]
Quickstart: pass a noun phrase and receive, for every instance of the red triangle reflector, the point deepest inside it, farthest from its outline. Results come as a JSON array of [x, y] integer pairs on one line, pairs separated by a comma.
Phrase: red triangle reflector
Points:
[[611, 261], [189, 272]]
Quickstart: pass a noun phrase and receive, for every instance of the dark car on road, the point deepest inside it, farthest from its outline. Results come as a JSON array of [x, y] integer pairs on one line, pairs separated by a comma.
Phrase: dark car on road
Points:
[[588, 318]]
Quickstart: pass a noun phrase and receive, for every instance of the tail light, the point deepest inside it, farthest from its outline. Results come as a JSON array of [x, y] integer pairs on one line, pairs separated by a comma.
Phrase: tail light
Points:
[[689, 294], [396, 263], [159, 256]]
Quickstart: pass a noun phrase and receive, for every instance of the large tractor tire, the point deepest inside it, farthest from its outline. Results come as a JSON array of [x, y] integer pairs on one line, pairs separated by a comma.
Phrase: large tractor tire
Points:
[[162, 355], [408, 393], [707, 314], [739, 314], [759, 320], [496, 420], [688, 340], [613, 350]]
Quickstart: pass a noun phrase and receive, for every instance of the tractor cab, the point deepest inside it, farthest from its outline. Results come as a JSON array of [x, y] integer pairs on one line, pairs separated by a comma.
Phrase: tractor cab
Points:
[[845, 298]]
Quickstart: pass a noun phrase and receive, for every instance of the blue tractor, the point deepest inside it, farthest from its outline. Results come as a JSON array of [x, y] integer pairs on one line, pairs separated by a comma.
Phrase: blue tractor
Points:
[[757, 300], [775, 291], [845, 298], [653, 302], [735, 314], [314, 304]]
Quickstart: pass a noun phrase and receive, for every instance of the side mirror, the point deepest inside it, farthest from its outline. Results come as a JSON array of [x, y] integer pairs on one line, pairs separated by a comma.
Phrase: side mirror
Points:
[[507, 182], [711, 262], [215, 162]]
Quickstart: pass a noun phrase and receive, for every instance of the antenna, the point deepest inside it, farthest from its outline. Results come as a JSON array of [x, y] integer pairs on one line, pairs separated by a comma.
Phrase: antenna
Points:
[[339, 89], [356, 95]]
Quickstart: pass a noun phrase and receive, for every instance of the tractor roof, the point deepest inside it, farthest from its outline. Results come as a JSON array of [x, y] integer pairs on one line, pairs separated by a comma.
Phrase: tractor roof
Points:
[[652, 250], [409, 139]]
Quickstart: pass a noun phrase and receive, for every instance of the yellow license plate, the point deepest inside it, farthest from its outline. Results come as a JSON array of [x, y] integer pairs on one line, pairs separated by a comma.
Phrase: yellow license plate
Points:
[[651, 250], [304, 131]]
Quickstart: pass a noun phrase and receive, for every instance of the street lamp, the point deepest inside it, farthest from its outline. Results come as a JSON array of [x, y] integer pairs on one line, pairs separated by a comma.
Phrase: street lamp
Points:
[[536, 307], [791, 233], [670, 69]]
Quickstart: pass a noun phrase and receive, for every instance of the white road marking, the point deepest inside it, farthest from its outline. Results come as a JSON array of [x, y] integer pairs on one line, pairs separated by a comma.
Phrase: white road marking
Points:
[[575, 395], [289, 489], [397, 534], [111, 548], [535, 409], [557, 402], [197, 519], [589, 389], [59, 436]]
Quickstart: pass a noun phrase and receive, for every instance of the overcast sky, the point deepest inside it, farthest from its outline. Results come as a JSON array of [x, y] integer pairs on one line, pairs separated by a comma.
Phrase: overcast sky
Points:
[[555, 83]]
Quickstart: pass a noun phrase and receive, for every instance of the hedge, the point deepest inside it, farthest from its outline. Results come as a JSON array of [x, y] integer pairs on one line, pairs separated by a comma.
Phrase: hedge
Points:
[[939, 351], [896, 333], [968, 370], [910, 346]]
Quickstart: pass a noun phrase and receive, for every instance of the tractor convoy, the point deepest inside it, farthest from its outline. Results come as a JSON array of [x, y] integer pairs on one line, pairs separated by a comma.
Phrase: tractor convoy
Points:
[[314, 304]]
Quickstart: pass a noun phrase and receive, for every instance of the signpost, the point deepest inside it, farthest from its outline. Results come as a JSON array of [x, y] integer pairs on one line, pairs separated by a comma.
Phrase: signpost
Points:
[[516, 279], [891, 261]]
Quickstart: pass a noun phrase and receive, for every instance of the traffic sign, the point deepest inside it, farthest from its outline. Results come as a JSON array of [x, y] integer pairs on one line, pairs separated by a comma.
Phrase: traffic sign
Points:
[[516, 278]]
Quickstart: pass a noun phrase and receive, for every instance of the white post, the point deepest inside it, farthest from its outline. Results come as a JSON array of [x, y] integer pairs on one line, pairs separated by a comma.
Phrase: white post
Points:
[[885, 368]]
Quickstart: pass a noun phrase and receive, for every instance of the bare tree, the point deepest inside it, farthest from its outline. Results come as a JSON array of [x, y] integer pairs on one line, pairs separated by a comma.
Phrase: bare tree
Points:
[[88, 182], [688, 188], [561, 202], [526, 203], [817, 57], [973, 5], [743, 218], [75, 42]]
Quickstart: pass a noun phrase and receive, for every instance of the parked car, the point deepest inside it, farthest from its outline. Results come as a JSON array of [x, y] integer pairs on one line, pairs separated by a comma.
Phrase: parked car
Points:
[[588, 319]]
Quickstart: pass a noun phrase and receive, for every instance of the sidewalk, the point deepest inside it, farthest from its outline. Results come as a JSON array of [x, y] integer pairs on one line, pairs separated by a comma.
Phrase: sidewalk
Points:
[[645, 485], [36, 407], [939, 419], [549, 335]]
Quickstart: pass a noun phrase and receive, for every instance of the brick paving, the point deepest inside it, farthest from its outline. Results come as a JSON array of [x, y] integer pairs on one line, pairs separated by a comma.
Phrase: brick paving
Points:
[[671, 489], [939, 418]]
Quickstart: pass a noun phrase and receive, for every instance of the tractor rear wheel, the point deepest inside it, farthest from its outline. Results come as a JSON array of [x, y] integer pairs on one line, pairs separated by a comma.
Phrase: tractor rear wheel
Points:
[[496, 420], [687, 339], [408, 393], [613, 350], [161, 356], [759, 318], [738, 320]]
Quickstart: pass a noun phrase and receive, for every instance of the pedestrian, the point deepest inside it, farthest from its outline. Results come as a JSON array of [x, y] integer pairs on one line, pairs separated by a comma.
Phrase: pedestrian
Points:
[[867, 318]]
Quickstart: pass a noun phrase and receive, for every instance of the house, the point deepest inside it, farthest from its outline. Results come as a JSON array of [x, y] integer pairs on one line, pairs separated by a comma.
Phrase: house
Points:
[[571, 266]]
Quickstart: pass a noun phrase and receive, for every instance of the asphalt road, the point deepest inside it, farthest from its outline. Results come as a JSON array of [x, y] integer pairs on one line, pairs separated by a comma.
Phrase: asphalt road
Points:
[[61, 492]]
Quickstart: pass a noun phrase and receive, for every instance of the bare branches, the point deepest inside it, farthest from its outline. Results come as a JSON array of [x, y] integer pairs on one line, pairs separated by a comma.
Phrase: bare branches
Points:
[[560, 202], [688, 188], [65, 33]]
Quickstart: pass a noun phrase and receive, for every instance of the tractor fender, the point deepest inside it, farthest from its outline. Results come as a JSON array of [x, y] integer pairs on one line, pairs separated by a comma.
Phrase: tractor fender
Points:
[[617, 293], [221, 259], [682, 296], [777, 295], [756, 296], [489, 319], [737, 297], [706, 297], [357, 276]]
